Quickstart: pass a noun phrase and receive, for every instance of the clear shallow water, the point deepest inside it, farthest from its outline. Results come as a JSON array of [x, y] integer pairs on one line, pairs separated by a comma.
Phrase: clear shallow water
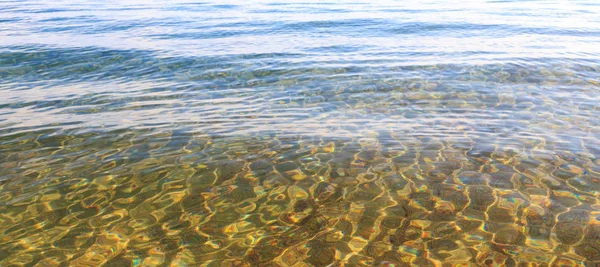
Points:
[[299, 134]]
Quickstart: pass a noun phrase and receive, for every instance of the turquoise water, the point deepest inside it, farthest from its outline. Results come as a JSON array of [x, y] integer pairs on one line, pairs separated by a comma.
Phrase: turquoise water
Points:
[[299, 133]]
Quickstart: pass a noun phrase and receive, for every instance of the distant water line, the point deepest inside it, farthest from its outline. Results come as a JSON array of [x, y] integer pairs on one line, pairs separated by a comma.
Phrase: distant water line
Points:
[[299, 134]]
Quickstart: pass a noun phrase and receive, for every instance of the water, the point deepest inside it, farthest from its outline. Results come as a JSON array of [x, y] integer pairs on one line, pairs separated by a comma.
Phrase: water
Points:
[[265, 133]]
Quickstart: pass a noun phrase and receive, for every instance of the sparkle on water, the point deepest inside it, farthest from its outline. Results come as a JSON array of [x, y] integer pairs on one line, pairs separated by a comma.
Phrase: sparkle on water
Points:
[[265, 133]]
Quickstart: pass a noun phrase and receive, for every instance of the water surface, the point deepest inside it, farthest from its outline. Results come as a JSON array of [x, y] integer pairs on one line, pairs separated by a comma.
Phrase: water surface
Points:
[[299, 133]]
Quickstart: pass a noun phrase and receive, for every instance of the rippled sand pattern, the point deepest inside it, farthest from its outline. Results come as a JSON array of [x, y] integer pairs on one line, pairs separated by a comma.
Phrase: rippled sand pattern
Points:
[[306, 134], [436, 187]]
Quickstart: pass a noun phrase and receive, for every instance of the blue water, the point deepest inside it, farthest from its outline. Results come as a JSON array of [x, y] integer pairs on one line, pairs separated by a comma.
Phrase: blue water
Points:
[[316, 133]]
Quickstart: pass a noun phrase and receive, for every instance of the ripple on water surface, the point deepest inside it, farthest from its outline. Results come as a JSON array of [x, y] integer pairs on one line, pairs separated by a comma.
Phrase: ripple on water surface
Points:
[[299, 134]]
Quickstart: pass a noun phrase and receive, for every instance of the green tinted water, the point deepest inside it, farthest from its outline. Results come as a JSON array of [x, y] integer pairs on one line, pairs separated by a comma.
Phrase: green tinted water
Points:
[[151, 135]]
